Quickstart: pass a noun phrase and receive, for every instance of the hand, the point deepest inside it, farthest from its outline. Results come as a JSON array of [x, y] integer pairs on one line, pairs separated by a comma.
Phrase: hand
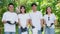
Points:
[[4, 22]]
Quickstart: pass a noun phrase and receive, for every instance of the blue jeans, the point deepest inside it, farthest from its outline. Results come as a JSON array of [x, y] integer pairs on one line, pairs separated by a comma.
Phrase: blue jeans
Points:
[[34, 31], [49, 30], [39, 32], [9, 33], [19, 31]]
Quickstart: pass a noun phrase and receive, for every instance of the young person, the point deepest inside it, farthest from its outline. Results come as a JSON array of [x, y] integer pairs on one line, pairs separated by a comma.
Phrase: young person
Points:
[[23, 19], [36, 19], [49, 20], [10, 19]]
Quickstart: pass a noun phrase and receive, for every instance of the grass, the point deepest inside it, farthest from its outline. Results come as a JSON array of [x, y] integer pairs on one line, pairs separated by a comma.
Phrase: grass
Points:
[[57, 30]]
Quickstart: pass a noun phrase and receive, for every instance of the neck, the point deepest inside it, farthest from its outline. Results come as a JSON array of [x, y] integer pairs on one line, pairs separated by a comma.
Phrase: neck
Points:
[[23, 13], [49, 13], [34, 10], [11, 11]]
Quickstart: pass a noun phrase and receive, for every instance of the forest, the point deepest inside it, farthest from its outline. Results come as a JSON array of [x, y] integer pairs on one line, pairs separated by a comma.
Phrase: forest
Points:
[[42, 4]]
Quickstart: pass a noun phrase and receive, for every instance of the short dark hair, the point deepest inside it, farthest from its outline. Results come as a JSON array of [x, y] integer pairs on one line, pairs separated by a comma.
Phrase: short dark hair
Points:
[[10, 4], [33, 4], [21, 8], [46, 9]]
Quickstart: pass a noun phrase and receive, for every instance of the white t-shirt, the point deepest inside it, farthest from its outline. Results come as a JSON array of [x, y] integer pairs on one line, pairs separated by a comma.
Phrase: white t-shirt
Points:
[[36, 17], [51, 19], [12, 17], [23, 19]]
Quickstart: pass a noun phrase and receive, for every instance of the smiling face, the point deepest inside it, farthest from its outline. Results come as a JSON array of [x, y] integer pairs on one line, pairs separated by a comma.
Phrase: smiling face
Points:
[[34, 8], [11, 8], [48, 10], [22, 10]]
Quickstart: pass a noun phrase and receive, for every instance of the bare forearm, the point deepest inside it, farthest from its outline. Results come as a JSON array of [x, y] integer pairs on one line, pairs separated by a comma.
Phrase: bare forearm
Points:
[[42, 22], [4, 21], [55, 22]]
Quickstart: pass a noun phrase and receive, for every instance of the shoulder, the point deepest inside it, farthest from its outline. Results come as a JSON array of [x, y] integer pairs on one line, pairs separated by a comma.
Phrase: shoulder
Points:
[[45, 15], [39, 12], [30, 13], [6, 13], [27, 14], [15, 13], [19, 14], [53, 14]]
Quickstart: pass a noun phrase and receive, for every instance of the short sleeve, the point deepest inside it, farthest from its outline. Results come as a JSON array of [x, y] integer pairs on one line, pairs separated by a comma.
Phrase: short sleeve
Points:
[[28, 16], [40, 15], [54, 16], [44, 17], [4, 17], [16, 18]]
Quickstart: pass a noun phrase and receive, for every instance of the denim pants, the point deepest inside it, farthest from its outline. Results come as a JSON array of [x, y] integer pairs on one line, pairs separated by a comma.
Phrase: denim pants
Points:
[[39, 32], [9, 33], [34, 31], [19, 32], [49, 30]]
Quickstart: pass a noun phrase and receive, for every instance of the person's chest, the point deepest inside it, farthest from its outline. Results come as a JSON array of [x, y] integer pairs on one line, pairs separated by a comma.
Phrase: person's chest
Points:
[[10, 16], [23, 17], [49, 18], [35, 16]]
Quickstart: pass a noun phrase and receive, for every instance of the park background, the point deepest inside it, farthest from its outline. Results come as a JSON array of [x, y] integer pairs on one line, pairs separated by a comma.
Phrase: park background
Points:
[[42, 4]]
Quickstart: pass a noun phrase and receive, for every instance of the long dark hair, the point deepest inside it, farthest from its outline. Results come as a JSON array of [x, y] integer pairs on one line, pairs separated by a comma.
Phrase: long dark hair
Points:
[[46, 9], [21, 8]]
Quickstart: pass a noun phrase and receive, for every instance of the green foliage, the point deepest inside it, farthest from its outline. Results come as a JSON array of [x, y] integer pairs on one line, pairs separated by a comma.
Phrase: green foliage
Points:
[[42, 4]]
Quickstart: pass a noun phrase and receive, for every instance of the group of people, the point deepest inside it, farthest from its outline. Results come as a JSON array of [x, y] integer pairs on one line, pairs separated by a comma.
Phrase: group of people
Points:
[[23, 19]]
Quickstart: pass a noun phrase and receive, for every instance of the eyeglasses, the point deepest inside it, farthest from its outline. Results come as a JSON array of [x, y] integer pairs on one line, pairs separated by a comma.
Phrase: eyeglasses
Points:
[[48, 18]]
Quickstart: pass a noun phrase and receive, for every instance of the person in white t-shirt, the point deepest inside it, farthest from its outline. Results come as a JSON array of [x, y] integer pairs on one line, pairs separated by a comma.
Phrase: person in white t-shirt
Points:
[[49, 21], [36, 19], [10, 19], [23, 19]]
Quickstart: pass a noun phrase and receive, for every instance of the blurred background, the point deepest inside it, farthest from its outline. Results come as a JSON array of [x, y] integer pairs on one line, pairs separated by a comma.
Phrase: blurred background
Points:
[[42, 4]]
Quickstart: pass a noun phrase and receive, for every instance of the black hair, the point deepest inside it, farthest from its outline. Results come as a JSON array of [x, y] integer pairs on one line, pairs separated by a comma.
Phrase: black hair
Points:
[[33, 4], [46, 9], [10, 4], [21, 8]]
